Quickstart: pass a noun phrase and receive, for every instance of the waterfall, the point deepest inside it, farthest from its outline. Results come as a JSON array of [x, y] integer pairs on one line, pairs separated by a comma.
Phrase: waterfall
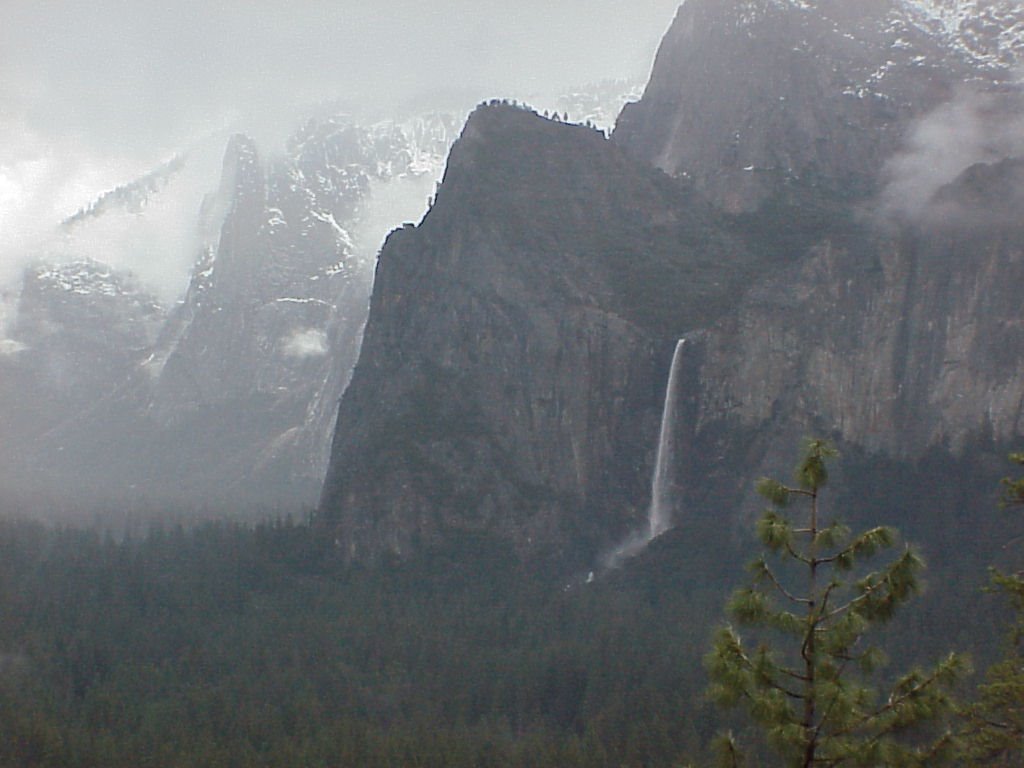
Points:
[[661, 486], [660, 513]]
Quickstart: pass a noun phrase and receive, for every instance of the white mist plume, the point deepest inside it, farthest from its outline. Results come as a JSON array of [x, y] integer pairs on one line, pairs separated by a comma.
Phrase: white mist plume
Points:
[[308, 342], [156, 243], [10, 347], [969, 129], [392, 203], [663, 489]]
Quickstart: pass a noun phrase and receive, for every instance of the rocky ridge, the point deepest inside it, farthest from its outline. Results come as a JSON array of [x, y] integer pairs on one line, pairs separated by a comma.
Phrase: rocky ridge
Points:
[[133, 196], [232, 395], [808, 306], [746, 96], [235, 398]]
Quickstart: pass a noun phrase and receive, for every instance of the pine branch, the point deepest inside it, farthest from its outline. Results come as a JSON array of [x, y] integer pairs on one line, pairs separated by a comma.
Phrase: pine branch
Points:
[[796, 556], [864, 545], [894, 701], [792, 674], [869, 590], [767, 571], [824, 603], [761, 676]]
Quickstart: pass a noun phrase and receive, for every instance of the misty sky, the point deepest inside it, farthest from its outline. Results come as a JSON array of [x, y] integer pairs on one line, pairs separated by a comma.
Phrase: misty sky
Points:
[[94, 93]]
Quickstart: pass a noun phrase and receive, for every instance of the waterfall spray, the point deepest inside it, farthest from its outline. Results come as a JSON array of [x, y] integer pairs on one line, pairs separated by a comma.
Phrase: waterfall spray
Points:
[[661, 486], [660, 514]]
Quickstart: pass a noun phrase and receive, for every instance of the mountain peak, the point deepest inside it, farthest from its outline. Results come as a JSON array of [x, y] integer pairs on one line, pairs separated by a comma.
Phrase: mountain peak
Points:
[[748, 96], [242, 173]]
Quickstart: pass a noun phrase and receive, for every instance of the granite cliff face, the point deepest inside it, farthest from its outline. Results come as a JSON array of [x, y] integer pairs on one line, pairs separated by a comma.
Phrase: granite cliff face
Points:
[[747, 96], [269, 324], [513, 367], [829, 276], [914, 342]]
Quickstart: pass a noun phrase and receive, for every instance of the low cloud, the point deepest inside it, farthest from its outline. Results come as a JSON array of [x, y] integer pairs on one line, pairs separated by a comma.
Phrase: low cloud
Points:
[[10, 347], [971, 128], [305, 343], [100, 93]]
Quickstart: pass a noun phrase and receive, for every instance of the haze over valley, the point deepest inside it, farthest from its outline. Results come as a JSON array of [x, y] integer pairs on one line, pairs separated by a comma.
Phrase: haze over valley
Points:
[[406, 385], [112, 236]]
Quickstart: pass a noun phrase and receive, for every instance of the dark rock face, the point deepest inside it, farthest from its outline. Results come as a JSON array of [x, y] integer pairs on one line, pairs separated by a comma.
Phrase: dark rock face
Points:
[[988, 196], [745, 95], [518, 344], [513, 367]]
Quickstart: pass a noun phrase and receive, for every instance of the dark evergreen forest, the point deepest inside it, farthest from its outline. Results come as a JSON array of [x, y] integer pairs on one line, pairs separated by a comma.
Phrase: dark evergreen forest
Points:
[[233, 645], [230, 644]]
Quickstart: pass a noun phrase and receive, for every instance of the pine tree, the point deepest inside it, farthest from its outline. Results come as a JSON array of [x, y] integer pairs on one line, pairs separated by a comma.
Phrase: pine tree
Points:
[[1013, 488], [808, 684], [994, 730]]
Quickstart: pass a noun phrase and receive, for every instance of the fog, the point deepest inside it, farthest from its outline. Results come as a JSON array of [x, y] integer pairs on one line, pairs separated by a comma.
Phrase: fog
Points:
[[971, 128], [95, 94]]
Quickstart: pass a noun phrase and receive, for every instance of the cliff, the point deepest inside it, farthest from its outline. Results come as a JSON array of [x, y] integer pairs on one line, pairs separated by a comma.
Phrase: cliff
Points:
[[907, 342], [513, 366], [230, 399], [746, 96], [517, 350]]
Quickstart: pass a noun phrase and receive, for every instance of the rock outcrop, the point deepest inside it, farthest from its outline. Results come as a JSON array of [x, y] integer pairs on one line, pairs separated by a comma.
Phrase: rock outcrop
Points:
[[514, 364], [746, 96], [899, 344], [513, 367]]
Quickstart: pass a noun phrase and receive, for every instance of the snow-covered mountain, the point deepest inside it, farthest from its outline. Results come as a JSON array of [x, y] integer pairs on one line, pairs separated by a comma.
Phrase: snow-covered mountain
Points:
[[516, 356], [231, 394], [989, 33], [815, 90]]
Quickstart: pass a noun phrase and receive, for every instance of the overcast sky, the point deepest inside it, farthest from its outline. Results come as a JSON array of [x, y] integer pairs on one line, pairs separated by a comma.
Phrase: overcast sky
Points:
[[93, 93]]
